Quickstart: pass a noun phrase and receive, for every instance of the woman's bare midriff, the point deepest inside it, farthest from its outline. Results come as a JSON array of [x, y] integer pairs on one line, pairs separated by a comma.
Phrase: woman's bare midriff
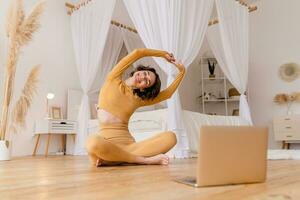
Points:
[[107, 117]]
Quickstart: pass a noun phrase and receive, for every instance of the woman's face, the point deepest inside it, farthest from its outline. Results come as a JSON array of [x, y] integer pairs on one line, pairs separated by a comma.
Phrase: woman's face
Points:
[[144, 79]]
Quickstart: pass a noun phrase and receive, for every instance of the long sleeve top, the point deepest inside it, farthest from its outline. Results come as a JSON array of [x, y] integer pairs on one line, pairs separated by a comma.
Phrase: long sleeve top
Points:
[[118, 98]]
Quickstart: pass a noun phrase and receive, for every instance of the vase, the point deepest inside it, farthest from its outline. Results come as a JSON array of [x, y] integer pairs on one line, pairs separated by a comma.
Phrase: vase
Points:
[[5, 150], [212, 76]]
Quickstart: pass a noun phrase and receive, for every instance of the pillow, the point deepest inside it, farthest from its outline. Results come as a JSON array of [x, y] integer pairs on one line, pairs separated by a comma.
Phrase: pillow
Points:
[[145, 108]]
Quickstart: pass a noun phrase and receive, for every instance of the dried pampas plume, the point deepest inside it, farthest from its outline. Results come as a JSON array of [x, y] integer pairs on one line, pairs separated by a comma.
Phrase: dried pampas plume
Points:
[[22, 105], [30, 24], [281, 98], [287, 98], [19, 30], [297, 96]]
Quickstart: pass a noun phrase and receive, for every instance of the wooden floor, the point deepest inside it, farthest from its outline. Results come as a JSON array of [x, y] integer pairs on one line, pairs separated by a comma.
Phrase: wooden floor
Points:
[[72, 178]]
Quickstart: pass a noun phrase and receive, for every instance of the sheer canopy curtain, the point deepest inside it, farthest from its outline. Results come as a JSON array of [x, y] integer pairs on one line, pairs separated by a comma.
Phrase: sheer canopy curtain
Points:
[[230, 43], [89, 26], [133, 41], [175, 26], [110, 56]]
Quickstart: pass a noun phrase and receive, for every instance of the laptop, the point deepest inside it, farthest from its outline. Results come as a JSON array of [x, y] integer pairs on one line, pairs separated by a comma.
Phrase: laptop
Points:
[[230, 155]]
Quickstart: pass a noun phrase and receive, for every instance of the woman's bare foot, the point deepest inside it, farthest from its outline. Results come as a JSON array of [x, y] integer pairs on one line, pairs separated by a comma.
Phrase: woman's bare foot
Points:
[[99, 162], [96, 161], [160, 159], [93, 159]]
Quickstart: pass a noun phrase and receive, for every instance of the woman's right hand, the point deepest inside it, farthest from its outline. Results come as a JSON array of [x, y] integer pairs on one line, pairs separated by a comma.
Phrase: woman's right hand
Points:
[[170, 58]]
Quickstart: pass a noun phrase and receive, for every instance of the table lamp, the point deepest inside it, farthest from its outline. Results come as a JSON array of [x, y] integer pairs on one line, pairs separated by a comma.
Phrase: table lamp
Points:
[[48, 97]]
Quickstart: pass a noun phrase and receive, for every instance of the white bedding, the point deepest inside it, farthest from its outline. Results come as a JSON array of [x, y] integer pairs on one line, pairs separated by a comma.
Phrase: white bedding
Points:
[[145, 124], [193, 121]]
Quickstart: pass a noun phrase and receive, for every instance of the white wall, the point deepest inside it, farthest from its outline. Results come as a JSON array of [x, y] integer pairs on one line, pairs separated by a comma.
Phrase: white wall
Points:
[[274, 40], [52, 48]]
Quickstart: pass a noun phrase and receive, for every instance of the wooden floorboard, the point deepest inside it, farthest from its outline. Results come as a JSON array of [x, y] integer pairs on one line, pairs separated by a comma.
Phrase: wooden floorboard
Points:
[[71, 177]]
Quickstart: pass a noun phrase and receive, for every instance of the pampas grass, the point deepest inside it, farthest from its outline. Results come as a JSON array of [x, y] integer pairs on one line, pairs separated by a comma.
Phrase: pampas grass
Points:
[[296, 96], [30, 25], [281, 98], [19, 30], [288, 99], [22, 105]]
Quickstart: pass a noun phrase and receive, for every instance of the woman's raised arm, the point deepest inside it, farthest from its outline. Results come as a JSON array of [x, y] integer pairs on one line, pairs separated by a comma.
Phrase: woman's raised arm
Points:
[[136, 54], [167, 93]]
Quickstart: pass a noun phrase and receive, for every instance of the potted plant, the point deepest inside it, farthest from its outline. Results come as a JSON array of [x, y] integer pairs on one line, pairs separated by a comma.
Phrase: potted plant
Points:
[[19, 30], [211, 68]]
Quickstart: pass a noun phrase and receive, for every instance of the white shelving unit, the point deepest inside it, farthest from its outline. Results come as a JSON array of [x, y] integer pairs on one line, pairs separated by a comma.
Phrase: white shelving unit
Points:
[[219, 103]]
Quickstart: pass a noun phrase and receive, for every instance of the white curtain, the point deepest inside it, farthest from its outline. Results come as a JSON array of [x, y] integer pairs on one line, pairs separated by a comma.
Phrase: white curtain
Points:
[[89, 27], [229, 42], [175, 26], [133, 41], [110, 56]]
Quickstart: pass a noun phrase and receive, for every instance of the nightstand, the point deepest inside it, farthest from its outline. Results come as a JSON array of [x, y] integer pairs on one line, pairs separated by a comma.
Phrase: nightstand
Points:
[[51, 127], [287, 129]]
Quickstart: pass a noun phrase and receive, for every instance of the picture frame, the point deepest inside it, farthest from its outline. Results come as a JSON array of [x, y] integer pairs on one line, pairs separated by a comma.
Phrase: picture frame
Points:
[[56, 112]]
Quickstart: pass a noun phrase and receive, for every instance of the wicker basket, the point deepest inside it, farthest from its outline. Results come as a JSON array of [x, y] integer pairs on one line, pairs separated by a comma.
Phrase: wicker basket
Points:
[[233, 92]]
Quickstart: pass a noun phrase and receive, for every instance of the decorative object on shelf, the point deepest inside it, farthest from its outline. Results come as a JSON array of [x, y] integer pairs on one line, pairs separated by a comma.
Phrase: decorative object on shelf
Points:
[[19, 30], [211, 68], [56, 113], [288, 99], [49, 97], [211, 113], [233, 92], [235, 112], [208, 96], [289, 71]]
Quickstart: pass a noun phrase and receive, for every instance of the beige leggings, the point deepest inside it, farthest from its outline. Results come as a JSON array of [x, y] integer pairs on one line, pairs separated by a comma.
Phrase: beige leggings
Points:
[[115, 143]]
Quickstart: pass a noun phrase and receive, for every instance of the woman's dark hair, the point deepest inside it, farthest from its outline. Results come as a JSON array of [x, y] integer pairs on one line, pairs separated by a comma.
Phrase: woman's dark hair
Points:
[[150, 92]]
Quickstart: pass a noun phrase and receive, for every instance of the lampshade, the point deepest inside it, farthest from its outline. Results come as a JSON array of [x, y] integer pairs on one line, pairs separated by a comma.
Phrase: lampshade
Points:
[[50, 96]]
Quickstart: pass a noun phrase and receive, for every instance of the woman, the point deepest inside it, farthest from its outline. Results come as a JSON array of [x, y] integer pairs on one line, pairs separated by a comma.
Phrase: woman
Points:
[[118, 100]]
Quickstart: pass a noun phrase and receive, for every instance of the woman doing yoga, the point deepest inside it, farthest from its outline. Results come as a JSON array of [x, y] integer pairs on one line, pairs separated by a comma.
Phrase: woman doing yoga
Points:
[[118, 100]]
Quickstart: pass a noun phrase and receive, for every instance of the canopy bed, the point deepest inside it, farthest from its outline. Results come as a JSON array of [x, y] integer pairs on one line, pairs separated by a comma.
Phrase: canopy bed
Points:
[[175, 26]]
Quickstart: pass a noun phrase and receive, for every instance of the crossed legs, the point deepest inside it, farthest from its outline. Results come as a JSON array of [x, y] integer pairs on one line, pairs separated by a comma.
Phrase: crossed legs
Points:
[[150, 151]]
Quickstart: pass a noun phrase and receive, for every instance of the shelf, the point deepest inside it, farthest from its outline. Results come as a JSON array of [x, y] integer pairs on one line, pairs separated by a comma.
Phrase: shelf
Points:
[[203, 60], [219, 85], [214, 79], [233, 100], [222, 100]]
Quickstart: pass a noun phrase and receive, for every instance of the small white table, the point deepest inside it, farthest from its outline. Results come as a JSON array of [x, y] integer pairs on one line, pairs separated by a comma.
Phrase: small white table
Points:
[[53, 127]]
